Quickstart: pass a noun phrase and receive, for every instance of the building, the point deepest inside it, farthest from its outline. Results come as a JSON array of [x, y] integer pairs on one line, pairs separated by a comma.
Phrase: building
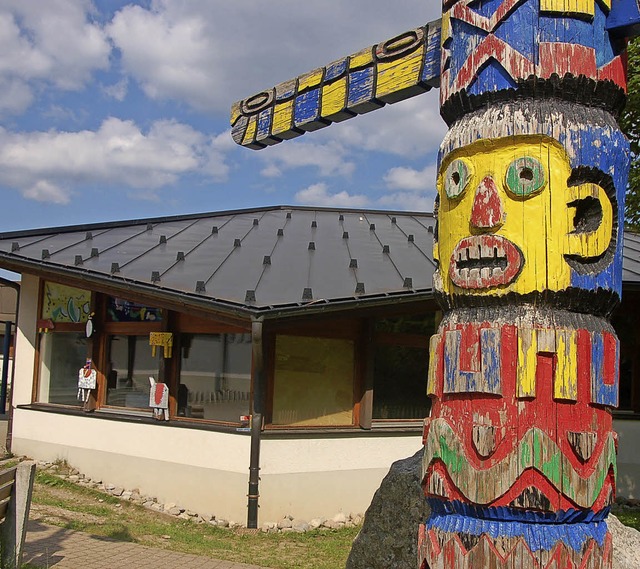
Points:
[[315, 321]]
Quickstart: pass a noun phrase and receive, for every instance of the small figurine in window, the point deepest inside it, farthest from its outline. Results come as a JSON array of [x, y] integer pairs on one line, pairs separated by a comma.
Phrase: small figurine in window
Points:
[[159, 399], [87, 380]]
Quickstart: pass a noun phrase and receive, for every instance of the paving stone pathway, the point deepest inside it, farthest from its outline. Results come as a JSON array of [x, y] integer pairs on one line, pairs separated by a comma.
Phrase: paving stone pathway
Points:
[[57, 548]]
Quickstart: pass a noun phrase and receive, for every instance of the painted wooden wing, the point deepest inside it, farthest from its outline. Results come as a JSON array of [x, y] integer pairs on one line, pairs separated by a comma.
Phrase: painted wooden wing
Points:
[[402, 67]]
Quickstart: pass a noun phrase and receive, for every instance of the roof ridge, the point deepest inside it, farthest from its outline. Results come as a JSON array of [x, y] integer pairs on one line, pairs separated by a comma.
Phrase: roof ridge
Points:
[[189, 216]]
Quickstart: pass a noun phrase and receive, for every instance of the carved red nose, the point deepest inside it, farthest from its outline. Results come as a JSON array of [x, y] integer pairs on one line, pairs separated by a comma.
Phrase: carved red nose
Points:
[[487, 212]]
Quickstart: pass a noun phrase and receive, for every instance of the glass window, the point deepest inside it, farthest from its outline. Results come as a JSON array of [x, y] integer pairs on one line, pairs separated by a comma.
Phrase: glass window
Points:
[[130, 365], [313, 382], [400, 383], [401, 364], [120, 310], [215, 376], [625, 325], [62, 354]]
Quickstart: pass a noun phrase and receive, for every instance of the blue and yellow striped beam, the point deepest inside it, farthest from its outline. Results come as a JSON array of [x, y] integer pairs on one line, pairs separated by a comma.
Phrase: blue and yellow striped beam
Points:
[[402, 67]]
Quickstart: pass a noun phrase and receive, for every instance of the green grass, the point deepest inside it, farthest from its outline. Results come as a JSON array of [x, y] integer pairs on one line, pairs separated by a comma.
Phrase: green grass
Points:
[[78, 508], [628, 516]]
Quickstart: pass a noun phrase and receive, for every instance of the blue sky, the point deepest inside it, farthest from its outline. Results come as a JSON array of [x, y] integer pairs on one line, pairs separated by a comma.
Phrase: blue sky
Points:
[[116, 110]]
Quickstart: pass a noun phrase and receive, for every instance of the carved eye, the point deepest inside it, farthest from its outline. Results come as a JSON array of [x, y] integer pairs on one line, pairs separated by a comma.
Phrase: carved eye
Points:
[[456, 179], [525, 177]]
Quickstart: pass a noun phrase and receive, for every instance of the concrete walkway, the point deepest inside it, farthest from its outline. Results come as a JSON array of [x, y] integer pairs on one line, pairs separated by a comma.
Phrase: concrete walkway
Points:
[[57, 548]]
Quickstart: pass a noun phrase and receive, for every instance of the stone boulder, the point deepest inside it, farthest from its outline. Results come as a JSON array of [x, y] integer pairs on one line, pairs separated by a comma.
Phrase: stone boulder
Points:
[[626, 545], [389, 534]]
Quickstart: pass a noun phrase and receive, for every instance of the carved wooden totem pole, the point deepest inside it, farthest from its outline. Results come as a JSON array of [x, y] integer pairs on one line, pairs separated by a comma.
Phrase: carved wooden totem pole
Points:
[[520, 455]]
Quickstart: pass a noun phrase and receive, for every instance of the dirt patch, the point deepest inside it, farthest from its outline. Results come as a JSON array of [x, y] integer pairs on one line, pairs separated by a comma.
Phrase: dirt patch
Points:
[[48, 507], [55, 515]]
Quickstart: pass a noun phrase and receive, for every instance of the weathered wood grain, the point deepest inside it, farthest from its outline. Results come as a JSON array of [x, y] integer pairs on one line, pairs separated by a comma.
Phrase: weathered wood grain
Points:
[[391, 71]]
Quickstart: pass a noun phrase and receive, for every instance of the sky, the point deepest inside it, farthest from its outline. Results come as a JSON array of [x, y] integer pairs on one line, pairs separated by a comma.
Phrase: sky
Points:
[[113, 110]]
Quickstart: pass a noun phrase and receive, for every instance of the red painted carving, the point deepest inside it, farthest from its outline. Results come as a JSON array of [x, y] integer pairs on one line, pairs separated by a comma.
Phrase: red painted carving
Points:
[[563, 58]]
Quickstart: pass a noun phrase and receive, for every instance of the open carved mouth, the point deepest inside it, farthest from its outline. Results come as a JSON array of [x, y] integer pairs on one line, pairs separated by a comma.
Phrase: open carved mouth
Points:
[[483, 261]]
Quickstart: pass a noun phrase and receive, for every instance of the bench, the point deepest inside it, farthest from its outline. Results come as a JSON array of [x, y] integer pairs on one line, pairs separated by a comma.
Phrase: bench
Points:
[[16, 487]]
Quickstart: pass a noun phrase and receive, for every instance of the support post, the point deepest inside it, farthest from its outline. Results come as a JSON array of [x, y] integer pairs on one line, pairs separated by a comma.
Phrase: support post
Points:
[[14, 527], [256, 422]]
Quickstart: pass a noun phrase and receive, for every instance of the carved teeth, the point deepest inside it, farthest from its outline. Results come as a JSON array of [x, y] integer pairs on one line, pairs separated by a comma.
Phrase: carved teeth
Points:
[[491, 255], [482, 261]]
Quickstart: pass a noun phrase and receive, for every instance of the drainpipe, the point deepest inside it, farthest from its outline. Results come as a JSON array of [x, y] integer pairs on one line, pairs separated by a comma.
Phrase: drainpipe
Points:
[[5, 379], [256, 421]]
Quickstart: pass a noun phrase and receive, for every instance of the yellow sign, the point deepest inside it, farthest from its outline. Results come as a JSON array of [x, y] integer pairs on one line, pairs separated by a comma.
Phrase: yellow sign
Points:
[[163, 340]]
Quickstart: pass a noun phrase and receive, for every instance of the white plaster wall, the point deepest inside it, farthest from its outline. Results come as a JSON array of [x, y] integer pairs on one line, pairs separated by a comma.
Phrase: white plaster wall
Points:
[[208, 471], [628, 481], [310, 477], [26, 340], [201, 470]]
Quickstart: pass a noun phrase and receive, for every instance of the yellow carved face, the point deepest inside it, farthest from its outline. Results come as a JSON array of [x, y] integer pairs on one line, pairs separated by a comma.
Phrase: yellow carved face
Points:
[[507, 218]]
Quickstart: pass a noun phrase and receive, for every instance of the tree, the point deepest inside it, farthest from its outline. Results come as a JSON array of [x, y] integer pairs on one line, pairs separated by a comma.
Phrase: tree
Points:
[[630, 124]]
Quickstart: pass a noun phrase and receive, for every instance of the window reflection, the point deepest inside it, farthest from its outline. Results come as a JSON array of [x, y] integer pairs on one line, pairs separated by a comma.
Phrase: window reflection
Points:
[[130, 365], [215, 376], [62, 354]]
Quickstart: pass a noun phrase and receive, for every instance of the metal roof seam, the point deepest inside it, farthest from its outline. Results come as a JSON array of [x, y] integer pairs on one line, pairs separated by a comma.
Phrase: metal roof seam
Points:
[[86, 238], [37, 241], [233, 250], [120, 244]]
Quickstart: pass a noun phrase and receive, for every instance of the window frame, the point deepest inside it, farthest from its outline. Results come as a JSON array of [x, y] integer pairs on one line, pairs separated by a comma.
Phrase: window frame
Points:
[[187, 324], [63, 327], [339, 329]]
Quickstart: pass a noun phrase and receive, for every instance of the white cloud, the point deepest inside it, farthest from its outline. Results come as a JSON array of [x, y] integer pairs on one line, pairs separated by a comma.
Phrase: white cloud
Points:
[[15, 95], [118, 90], [410, 128], [170, 57], [202, 54], [213, 52], [410, 201], [412, 189], [53, 42], [318, 195], [329, 159], [44, 191], [271, 171], [402, 178], [50, 166]]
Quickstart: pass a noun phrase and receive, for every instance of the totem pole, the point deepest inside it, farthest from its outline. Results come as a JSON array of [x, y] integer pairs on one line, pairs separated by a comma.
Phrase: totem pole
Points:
[[519, 452]]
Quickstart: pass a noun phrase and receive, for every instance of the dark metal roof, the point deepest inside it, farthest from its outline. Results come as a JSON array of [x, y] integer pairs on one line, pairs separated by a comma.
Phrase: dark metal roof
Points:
[[271, 260], [631, 258], [254, 260]]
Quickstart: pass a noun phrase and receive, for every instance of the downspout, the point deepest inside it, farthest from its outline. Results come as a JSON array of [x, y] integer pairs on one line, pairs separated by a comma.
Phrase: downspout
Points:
[[256, 421], [16, 286]]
